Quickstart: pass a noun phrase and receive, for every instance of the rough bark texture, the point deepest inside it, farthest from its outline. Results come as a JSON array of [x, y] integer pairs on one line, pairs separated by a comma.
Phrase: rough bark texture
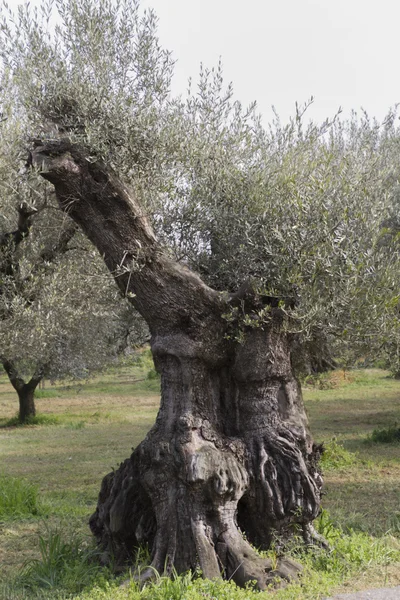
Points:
[[230, 451]]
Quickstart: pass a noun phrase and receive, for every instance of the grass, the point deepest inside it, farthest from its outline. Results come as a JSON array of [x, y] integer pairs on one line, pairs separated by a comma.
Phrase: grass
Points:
[[66, 561], [49, 393], [336, 457], [366, 494], [18, 498], [36, 420], [85, 430], [389, 435]]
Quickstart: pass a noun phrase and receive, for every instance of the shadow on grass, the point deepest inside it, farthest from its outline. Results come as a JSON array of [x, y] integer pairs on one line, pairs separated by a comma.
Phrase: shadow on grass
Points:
[[31, 421]]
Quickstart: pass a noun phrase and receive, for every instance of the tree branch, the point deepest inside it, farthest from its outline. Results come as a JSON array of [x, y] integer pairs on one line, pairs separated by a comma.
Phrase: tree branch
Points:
[[37, 377], [16, 381], [25, 213], [168, 295]]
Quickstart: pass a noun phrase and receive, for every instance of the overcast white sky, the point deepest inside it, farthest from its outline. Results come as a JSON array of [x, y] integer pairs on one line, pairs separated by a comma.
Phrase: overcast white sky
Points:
[[343, 52]]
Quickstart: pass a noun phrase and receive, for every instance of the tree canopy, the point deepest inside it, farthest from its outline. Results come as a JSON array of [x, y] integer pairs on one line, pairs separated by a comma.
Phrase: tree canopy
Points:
[[303, 212]]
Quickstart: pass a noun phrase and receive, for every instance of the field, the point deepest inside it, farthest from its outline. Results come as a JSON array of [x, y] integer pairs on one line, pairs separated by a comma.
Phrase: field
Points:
[[86, 430]]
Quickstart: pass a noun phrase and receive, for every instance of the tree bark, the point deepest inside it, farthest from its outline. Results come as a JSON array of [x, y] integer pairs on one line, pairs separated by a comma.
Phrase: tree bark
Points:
[[230, 452], [25, 391], [27, 407]]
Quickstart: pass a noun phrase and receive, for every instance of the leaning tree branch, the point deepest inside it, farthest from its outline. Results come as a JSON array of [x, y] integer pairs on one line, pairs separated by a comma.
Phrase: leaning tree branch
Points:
[[16, 381], [37, 377], [231, 438], [25, 213], [166, 293]]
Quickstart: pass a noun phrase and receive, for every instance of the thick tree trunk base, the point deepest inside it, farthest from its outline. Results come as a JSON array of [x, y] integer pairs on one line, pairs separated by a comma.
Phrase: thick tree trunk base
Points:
[[228, 465], [192, 523]]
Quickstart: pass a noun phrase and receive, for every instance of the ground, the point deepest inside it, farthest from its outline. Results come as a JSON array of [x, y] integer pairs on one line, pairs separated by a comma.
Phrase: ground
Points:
[[90, 428]]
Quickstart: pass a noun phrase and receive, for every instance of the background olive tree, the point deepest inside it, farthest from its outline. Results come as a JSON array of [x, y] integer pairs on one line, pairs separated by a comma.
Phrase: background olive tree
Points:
[[60, 314]]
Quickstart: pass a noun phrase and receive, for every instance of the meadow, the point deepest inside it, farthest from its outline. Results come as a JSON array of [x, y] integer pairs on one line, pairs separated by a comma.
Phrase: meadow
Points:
[[50, 473]]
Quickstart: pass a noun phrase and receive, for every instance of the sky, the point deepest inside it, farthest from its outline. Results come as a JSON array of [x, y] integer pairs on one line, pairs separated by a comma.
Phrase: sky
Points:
[[344, 53]]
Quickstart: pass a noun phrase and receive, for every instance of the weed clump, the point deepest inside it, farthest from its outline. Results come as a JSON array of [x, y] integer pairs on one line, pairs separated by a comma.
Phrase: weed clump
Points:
[[65, 562], [46, 393], [388, 435], [335, 456], [78, 425], [328, 380], [18, 497]]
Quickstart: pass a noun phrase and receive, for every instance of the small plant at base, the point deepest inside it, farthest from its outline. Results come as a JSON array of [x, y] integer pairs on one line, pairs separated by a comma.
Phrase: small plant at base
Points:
[[152, 374], [326, 527]]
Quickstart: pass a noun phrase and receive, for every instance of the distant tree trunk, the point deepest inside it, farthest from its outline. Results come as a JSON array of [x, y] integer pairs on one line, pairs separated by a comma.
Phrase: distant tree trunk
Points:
[[25, 391], [26, 403], [230, 452], [9, 243]]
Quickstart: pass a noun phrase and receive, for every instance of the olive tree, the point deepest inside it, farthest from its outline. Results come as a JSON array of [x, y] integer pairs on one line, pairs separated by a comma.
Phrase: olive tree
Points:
[[236, 244], [59, 314]]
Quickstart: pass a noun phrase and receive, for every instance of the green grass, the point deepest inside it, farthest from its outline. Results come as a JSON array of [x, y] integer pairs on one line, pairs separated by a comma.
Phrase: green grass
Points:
[[18, 498], [66, 561], [49, 393], [389, 435], [84, 430], [335, 456], [65, 567], [365, 494], [36, 420]]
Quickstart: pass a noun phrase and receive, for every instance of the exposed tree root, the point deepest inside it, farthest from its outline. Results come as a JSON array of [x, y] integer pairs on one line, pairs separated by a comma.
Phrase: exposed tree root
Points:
[[185, 507]]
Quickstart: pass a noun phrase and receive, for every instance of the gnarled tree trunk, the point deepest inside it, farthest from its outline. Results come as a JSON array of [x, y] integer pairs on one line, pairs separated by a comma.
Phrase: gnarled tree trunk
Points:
[[230, 451]]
